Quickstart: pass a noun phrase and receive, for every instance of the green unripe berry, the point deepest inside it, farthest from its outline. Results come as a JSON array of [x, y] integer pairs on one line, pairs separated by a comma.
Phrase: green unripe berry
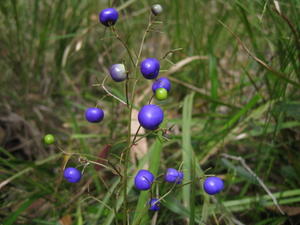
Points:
[[49, 139], [161, 94]]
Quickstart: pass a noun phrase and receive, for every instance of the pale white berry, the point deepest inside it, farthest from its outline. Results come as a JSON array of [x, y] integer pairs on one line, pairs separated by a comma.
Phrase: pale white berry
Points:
[[118, 72], [156, 9]]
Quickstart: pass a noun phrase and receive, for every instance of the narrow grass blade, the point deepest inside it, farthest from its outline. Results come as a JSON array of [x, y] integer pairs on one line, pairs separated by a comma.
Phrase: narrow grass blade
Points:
[[213, 74], [10, 220], [187, 152]]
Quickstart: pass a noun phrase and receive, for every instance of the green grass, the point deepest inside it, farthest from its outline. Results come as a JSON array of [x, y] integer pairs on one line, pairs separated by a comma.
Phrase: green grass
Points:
[[241, 98]]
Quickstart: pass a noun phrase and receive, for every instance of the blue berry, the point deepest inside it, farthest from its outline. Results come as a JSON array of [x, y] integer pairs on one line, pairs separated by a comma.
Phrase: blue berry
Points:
[[162, 82], [72, 175], [172, 175], [118, 72], [150, 68], [108, 17], [213, 185], [94, 115], [154, 204], [150, 116], [180, 177], [143, 180]]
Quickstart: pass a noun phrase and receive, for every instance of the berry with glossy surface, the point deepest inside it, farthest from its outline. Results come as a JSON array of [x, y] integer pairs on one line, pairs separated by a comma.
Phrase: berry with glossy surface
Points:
[[156, 9], [150, 68], [172, 175], [143, 180], [154, 204], [150, 116], [118, 72], [94, 115], [108, 17], [49, 139], [161, 94], [213, 185], [72, 175], [162, 82]]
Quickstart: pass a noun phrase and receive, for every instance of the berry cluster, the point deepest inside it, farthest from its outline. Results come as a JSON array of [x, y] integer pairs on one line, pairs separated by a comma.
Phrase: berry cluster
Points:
[[150, 117]]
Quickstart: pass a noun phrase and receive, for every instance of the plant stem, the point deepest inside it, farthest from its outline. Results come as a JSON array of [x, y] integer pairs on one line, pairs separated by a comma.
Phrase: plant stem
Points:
[[143, 39], [113, 29], [126, 159], [131, 103]]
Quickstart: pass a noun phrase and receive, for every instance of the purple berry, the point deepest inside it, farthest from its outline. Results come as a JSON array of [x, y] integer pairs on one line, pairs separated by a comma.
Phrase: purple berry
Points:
[[150, 116], [143, 180], [150, 68], [108, 17], [172, 175], [154, 204], [94, 115], [213, 185], [162, 82], [180, 177], [118, 72], [72, 175]]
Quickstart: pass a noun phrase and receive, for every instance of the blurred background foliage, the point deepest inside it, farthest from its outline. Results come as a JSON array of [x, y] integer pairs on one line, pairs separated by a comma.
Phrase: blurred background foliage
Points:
[[237, 94]]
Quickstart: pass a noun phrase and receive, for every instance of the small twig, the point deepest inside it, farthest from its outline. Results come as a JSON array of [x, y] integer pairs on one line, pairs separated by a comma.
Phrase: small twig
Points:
[[156, 31], [136, 134], [98, 200], [166, 194], [242, 161], [259, 61], [169, 61], [175, 68], [87, 162], [150, 100], [290, 24], [170, 52], [113, 29], [100, 164], [126, 89], [109, 93], [143, 39], [114, 167], [132, 143]]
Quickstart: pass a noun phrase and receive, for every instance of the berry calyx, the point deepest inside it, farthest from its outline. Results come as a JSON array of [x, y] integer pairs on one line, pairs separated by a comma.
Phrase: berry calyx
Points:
[[156, 9], [118, 72], [49, 139], [154, 204], [143, 180], [162, 82], [213, 185], [172, 175], [150, 116], [108, 17], [94, 115], [150, 68], [72, 175], [161, 94]]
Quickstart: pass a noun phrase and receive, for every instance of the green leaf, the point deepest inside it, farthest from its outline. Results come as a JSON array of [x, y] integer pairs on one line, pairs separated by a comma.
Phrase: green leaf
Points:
[[188, 193]]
